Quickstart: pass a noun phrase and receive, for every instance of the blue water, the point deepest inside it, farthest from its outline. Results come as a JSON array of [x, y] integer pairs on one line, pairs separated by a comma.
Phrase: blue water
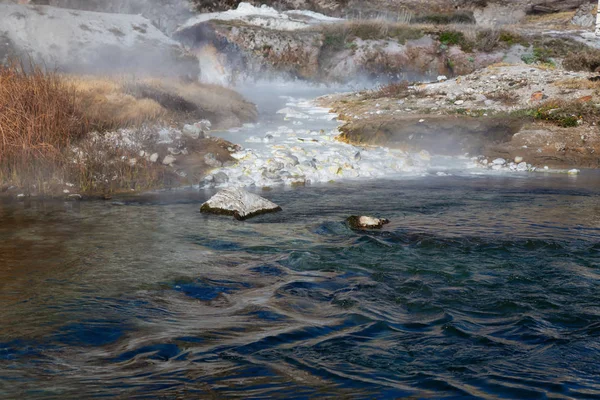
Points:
[[481, 287]]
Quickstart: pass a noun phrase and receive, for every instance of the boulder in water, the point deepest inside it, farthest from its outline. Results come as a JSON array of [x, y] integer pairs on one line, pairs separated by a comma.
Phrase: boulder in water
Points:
[[239, 203], [364, 222]]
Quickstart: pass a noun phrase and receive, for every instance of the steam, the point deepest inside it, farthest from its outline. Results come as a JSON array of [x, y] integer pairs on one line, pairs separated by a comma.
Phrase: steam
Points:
[[87, 42]]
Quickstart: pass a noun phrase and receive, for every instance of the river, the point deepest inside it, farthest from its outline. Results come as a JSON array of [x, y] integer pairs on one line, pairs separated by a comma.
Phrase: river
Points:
[[482, 286]]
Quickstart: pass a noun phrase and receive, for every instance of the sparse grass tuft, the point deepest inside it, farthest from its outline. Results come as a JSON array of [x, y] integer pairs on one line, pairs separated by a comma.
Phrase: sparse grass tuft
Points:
[[539, 55], [579, 84], [337, 36], [503, 96], [566, 114], [395, 90], [458, 17]]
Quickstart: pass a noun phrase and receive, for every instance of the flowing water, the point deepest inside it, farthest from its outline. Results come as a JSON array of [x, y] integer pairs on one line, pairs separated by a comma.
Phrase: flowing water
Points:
[[482, 286]]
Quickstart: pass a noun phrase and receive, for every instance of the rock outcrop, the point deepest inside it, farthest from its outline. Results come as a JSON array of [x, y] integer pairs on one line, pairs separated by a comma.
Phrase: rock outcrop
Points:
[[239, 203], [262, 42], [585, 16], [91, 42]]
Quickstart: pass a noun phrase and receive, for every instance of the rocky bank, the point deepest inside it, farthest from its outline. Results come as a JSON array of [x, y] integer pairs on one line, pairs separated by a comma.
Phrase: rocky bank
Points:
[[542, 114]]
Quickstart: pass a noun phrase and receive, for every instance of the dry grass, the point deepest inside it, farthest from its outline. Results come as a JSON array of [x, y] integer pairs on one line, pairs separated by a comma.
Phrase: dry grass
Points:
[[555, 19], [108, 106], [395, 90], [586, 59], [504, 96], [40, 117], [579, 84]]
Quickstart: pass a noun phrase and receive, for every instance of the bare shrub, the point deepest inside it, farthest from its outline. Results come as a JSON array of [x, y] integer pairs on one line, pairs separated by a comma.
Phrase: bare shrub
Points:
[[585, 60]]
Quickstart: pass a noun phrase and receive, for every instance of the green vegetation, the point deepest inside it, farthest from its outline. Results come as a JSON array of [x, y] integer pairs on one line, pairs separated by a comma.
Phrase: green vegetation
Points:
[[539, 55], [458, 17], [452, 38], [566, 114]]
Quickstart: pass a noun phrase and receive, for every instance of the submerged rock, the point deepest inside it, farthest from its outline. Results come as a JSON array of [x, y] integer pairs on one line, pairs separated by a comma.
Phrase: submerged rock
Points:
[[365, 222], [239, 203]]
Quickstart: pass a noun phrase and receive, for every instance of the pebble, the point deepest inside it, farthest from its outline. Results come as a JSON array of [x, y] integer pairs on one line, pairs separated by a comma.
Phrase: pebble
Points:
[[518, 159], [154, 157], [499, 161]]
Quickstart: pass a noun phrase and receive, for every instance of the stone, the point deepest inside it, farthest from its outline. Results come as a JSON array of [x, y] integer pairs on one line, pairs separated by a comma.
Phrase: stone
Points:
[[365, 222], [193, 131], [522, 167], [220, 178], [442, 78], [211, 160], [205, 125], [154, 157], [238, 203], [459, 102], [585, 99], [584, 17], [573, 172], [537, 96], [169, 160], [518, 159], [499, 161]]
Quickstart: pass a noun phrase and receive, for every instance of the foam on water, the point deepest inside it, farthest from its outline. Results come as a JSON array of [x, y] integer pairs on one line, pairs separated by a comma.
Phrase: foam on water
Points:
[[300, 147]]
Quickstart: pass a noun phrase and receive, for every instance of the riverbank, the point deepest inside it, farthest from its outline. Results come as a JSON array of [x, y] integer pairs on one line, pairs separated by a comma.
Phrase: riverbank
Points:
[[539, 113], [73, 135]]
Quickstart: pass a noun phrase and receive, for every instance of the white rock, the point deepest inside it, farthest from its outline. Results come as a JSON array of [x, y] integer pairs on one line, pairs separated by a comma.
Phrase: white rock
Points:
[[442, 78], [154, 157], [239, 203], [499, 161], [193, 131], [522, 167], [459, 102], [518, 159], [169, 160], [573, 171], [365, 222]]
